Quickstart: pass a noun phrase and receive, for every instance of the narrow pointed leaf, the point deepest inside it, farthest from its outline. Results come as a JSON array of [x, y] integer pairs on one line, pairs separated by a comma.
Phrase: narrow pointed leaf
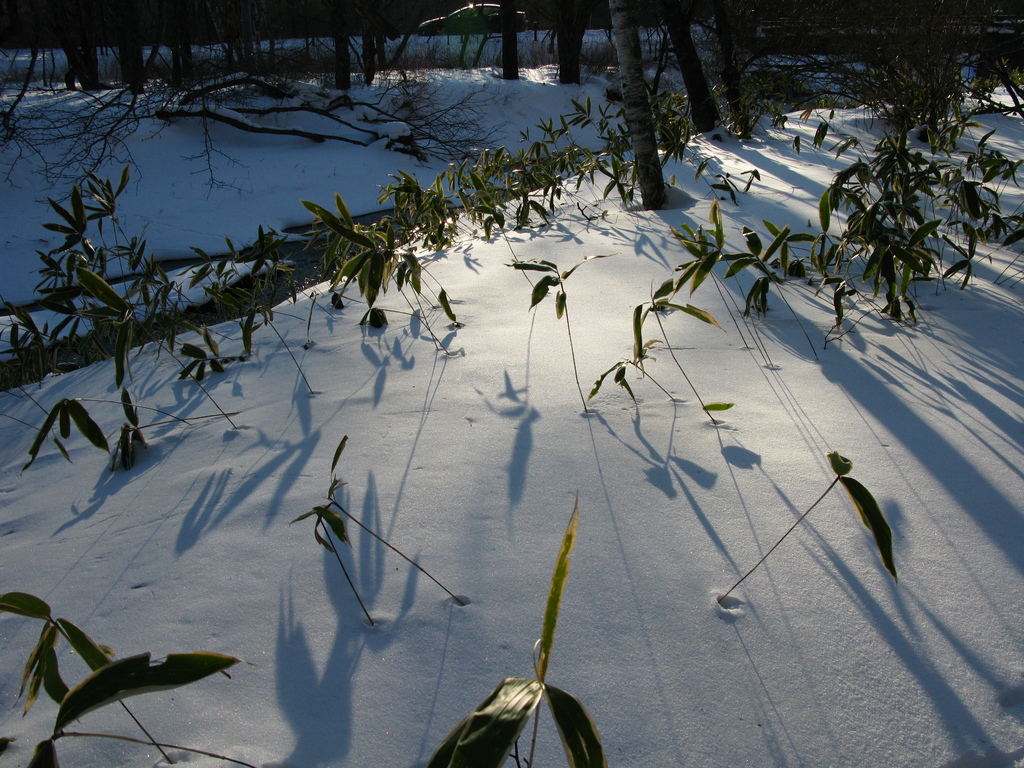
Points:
[[872, 517], [335, 521], [92, 654], [45, 755], [54, 686], [558, 578], [825, 211], [718, 406], [24, 604], [100, 290], [485, 738], [337, 452], [577, 730], [89, 428], [136, 675]]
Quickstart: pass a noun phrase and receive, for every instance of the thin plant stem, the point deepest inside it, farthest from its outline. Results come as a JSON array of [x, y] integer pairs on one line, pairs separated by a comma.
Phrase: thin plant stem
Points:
[[572, 352], [116, 737], [125, 706], [289, 350], [794, 525], [148, 734], [676, 361], [344, 570], [397, 551], [533, 739]]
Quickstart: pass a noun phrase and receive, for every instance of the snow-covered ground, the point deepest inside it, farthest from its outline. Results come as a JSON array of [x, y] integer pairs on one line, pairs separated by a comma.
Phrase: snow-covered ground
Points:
[[470, 462]]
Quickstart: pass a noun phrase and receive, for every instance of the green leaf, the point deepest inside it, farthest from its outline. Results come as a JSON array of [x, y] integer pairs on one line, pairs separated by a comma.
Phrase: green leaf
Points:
[[336, 522], [45, 755], [485, 738], [840, 464], [718, 406], [696, 312], [92, 654], [558, 579], [54, 686], [337, 452], [872, 517], [135, 675], [540, 290], [43, 432], [825, 211], [89, 428], [24, 604], [100, 290], [442, 299], [560, 304], [577, 730], [32, 676]]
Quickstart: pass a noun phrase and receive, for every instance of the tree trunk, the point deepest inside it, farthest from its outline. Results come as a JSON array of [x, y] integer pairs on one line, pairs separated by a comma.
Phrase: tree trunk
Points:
[[182, 34], [339, 34], [509, 40], [636, 105], [571, 17], [678, 17], [74, 29], [369, 56], [730, 70], [128, 34]]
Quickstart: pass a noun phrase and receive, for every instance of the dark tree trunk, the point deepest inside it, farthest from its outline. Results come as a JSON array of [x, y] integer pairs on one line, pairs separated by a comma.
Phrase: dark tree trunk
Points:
[[509, 40], [182, 34], [10, 20], [340, 35], [369, 56], [571, 17], [74, 28], [678, 17], [730, 69], [636, 105], [128, 34]]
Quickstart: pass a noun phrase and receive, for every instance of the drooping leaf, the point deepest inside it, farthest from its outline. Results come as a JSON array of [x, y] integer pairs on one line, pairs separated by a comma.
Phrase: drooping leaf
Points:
[[45, 755], [540, 290], [24, 604], [446, 305], [872, 517], [718, 406], [577, 730], [558, 578], [485, 738], [89, 428], [32, 676], [100, 290], [92, 653], [825, 211], [54, 686], [135, 675]]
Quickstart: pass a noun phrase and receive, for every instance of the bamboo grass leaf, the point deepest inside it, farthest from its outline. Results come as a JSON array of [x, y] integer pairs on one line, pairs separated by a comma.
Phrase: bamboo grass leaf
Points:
[[485, 738], [577, 730], [24, 604], [45, 755], [872, 517], [558, 579], [136, 675], [92, 654]]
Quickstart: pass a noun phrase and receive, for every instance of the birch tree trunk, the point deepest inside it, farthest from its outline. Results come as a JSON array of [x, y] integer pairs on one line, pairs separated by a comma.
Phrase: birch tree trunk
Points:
[[636, 105]]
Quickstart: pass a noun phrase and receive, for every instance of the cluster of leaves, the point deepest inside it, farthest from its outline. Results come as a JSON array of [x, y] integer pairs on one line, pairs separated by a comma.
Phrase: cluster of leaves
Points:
[[485, 738], [904, 210], [109, 680]]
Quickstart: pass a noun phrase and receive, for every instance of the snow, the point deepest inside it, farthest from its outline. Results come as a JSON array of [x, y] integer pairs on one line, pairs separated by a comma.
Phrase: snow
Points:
[[470, 462]]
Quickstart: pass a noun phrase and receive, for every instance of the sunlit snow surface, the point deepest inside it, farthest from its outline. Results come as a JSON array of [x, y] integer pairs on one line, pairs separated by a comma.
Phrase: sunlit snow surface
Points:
[[469, 463]]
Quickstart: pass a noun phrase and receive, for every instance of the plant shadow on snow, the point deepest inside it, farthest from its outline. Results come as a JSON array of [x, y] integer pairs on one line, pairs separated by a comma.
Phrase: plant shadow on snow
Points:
[[315, 698], [525, 415]]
